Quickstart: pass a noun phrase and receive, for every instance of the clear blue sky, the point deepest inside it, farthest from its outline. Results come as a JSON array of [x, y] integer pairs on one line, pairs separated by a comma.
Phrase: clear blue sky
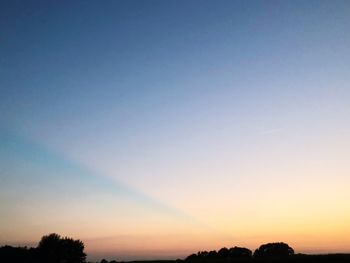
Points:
[[172, 111]]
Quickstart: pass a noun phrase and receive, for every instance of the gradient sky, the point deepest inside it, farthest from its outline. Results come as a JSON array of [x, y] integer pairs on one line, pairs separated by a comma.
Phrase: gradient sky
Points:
[[153, 129]]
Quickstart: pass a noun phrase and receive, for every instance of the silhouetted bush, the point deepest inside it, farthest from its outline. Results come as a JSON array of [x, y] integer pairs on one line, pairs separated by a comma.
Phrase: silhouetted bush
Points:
[[279, 249]]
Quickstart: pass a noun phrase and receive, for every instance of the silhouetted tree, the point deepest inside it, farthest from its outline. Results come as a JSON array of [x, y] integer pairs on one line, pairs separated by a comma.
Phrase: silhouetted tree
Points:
[[235, 252], [212, 254], [223, 252], [192, 257], [202, 254], [279, 249], [49, 248], [104, 261], [17, 254], [54, 249], [239, 252]]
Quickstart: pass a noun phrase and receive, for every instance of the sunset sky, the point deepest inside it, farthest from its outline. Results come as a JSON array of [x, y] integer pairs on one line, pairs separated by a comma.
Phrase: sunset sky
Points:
[[154, 129]]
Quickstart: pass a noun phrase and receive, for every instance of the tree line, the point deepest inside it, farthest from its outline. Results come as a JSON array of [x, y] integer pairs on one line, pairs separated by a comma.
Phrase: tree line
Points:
[[278, 249], [53, 248]]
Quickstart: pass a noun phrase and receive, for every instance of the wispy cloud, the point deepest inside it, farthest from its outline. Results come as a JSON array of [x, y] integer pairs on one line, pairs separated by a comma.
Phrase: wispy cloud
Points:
[[72, 177]]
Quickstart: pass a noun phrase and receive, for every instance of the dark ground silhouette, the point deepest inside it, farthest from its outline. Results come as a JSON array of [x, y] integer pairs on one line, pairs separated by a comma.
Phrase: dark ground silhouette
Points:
[[56, 249]]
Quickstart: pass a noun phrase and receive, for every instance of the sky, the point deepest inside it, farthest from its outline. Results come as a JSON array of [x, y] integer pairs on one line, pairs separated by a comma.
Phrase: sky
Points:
[[154, 129]]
